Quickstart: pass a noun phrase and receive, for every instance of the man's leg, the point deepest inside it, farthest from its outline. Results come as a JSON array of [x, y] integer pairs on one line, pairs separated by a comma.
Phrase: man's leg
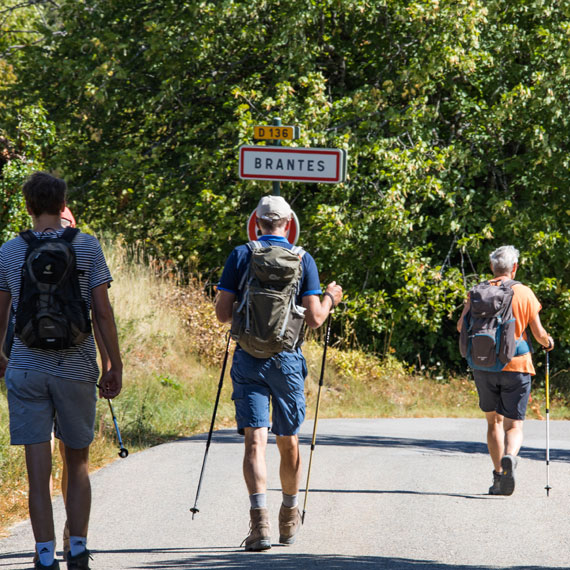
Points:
[[78, 503], [64, 494], [513, 442], [290, 474], [255, 475], [254, 467], [63, 471], [495, 438], [290, 466], [513, 436], [38, 464]]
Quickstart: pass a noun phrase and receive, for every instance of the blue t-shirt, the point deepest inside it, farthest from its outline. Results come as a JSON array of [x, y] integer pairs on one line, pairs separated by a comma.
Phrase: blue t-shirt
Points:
[[238, 263]]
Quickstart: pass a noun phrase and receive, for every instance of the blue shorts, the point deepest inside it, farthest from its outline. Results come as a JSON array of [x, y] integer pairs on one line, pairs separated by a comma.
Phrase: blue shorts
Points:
[[503, 392], [257, 381]]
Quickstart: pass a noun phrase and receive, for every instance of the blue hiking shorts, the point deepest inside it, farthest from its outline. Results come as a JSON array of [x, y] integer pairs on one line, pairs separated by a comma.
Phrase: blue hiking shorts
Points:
[[503, 392], [259, 381]]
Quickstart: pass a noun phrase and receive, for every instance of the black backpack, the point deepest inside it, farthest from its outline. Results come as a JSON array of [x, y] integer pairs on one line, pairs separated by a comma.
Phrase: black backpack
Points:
[[267, 319], [487, 339], [51, 313]]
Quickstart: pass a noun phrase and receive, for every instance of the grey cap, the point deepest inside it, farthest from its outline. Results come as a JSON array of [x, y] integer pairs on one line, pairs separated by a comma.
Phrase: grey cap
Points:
[[273, 208]]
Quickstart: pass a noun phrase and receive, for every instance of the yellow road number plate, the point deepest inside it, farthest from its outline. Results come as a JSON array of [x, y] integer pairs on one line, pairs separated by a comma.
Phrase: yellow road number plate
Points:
[[274, 133]]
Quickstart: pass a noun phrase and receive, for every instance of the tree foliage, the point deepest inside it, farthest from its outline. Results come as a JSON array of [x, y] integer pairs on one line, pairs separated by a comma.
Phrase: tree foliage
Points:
[[25, 132], [454, 116]]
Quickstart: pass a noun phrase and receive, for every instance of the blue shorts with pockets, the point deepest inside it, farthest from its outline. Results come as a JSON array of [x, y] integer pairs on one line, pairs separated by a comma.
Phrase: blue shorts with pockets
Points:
[[259, 381]]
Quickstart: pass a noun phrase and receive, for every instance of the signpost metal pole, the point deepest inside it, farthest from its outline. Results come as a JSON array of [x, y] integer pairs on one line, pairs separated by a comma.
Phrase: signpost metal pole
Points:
[[276, 183]]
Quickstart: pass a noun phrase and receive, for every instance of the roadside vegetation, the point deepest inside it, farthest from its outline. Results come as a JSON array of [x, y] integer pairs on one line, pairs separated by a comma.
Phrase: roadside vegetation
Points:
[[173, 347]]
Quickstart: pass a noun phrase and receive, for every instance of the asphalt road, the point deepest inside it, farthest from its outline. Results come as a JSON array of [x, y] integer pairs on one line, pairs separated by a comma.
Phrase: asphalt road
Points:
[[402, 494]]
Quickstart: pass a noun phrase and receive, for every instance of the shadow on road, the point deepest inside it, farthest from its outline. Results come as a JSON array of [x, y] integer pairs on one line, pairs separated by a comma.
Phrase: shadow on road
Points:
[[413, 444], [207, 558], [399, 492]]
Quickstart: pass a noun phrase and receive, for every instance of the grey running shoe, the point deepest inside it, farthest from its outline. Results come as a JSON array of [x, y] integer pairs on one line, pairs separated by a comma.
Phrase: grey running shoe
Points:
[[259, 537], [289, 524], [507, 482], [495, 488], [79, 561]]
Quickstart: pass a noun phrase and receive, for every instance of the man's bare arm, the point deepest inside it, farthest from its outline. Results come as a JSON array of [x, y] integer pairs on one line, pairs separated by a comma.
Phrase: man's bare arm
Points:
[[540, 333], [5, 302], [111, 382], [224, 304], [317, 310]]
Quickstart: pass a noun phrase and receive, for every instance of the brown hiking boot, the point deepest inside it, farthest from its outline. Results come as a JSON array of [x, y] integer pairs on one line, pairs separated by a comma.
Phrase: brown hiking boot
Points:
[[259, 532], [289, 523]]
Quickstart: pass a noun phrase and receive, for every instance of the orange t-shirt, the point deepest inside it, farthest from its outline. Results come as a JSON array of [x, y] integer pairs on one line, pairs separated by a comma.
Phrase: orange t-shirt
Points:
[[525, 308]]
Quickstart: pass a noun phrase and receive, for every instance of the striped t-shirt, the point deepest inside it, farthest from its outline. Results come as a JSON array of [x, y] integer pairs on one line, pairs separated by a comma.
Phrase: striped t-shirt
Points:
[[75, 363]]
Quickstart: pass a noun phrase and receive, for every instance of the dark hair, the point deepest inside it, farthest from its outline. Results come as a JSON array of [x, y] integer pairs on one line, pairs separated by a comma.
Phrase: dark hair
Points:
[[269, 226], [44, 193]]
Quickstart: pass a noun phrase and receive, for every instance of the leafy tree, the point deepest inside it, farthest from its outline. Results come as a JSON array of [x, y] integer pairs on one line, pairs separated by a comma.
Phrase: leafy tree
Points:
[[24, 130], [454, 116]]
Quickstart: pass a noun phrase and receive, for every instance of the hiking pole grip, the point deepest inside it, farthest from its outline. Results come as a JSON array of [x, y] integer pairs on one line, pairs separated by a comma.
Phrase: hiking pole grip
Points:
[[314, 438], [195, 508]]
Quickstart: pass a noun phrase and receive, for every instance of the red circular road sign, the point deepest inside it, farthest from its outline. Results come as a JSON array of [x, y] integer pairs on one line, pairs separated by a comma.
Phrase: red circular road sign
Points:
[[253, 231]]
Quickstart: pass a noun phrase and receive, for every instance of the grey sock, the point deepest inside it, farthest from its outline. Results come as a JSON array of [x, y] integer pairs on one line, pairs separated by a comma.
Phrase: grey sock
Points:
[[290, 500], [258, 501]]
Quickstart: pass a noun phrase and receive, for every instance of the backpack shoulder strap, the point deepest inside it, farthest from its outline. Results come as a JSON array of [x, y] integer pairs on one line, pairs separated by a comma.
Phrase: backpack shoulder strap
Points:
[[510, 283], [257, 244], [298, 250], [482, 283], [28, 236], [69, 234]]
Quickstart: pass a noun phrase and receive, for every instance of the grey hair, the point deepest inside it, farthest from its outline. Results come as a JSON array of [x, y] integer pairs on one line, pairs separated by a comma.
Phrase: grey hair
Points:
[[503, 259]]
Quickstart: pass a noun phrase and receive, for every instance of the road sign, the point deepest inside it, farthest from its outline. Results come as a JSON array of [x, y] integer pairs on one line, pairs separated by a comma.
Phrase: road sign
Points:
[[292, 163], [275, 133], [292, 236]]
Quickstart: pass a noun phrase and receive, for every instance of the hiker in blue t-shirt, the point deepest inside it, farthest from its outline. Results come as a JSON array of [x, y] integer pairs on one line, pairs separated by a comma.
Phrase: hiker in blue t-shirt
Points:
[[279, 378], [47, 384]]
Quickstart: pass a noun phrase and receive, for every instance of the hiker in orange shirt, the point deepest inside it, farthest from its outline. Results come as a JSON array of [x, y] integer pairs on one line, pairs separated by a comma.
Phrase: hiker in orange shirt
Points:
[[504, 395]]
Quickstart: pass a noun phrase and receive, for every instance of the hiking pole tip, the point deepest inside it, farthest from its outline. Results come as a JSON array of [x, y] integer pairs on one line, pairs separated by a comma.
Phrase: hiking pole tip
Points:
[[303, 517], [548, 487], [194, 510], [124, 452]]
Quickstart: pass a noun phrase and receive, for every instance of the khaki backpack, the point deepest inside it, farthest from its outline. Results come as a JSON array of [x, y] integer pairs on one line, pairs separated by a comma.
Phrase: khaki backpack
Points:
[[267, 319]]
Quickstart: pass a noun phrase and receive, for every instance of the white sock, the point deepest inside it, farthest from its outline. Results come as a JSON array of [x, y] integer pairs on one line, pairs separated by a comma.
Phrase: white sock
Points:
[[77, 545], [46, 552]]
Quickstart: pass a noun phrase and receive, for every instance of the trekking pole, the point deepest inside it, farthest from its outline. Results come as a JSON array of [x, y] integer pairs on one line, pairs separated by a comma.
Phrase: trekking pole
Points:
[[327, 334], [195, 508], [548, 487], [124, 452]]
